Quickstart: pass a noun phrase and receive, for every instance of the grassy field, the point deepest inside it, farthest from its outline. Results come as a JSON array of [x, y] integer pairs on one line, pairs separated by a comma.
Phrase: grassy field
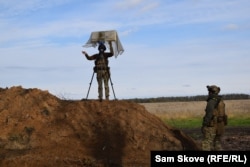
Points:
[[190, 114]]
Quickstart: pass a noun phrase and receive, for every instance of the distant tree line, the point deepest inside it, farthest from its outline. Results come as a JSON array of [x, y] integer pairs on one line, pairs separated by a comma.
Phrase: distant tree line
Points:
[[188, 98]]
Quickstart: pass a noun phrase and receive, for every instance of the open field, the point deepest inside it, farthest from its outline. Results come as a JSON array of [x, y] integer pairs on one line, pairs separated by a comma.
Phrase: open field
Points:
[[187, 116], [179, 113]]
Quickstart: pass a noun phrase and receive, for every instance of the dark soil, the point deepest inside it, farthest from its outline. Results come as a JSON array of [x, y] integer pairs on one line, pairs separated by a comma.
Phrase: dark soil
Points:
[[235, 138]]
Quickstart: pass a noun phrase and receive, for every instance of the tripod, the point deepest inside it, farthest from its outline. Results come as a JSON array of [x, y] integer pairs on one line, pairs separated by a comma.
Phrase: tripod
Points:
[[91, 84]]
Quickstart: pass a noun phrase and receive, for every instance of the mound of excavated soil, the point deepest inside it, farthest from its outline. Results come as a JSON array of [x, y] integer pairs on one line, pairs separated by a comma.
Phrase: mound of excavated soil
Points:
[[38, 129]]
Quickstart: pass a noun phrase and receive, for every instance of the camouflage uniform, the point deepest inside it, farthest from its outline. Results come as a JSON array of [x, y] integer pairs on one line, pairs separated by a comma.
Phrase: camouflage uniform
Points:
[[101, 69], [213, 121]]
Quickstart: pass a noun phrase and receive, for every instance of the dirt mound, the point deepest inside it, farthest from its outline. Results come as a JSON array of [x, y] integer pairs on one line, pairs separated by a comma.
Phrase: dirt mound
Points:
[[39, 129]]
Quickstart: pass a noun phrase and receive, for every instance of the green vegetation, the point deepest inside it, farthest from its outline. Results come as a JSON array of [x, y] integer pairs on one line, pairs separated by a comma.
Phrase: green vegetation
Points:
[[239, 121], [196, 122], [183, 123]]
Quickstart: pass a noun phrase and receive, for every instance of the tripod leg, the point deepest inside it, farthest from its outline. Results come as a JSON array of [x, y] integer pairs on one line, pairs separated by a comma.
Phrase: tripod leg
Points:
[[90, 85], [112, 87]]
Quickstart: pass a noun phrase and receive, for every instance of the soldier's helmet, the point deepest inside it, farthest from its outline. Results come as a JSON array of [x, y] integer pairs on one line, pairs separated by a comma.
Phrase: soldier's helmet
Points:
[[101, 47], [213, 89]]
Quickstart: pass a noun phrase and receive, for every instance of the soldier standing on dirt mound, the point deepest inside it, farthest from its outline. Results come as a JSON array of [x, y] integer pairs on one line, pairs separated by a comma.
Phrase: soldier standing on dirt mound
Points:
[[214, 120], [101, 68]]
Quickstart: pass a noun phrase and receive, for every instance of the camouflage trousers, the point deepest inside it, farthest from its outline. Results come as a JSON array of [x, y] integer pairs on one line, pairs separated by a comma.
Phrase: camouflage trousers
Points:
[[103, 77], [211, 141]]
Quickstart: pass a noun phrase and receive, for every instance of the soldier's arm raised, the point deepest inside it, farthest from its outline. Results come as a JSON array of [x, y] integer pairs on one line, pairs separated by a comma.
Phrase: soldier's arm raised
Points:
[[87, 56]]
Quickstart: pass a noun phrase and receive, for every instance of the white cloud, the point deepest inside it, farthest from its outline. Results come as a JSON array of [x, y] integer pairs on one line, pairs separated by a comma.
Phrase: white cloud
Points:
[[149, 7], [14, 7], [171, 47], [128, 4]]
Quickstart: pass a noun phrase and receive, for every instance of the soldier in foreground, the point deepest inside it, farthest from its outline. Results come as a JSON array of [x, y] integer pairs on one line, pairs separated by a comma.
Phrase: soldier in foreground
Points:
[[101, 68], [214, 120]]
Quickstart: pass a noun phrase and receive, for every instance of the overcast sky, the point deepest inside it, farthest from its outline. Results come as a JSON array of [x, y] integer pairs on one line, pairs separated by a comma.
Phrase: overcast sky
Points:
[[172, 47]]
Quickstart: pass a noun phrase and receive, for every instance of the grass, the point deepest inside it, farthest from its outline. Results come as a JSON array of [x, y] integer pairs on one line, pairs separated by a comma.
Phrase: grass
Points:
[[190, 114], [183, 123], [241, 121], [196, 122]]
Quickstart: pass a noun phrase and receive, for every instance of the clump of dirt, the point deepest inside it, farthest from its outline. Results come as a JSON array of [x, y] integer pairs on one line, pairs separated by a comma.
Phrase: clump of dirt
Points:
[[39, 129]]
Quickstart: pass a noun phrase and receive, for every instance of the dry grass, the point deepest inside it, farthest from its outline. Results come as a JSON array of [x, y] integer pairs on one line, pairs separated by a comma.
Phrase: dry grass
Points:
[[195, 109]]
